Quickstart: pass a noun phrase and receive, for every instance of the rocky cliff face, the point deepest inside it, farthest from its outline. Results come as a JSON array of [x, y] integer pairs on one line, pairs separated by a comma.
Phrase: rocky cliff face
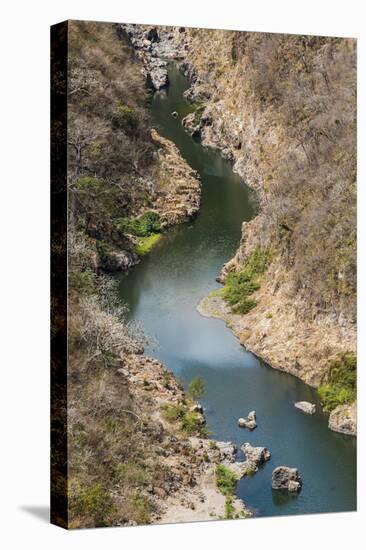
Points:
[[136, 441], [283, 109], [115, 160], [178, 190]]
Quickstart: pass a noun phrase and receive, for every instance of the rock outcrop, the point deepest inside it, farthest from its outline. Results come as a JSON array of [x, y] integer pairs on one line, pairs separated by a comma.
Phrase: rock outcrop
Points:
[[343, 419], [178, 193], [306, 407], [227, 451], [119, 260], [286, 479], [255, 456], [153, 47], [189, 492]]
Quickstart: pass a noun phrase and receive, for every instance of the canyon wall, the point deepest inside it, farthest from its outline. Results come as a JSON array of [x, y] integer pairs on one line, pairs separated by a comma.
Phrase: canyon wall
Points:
[[282, 108]]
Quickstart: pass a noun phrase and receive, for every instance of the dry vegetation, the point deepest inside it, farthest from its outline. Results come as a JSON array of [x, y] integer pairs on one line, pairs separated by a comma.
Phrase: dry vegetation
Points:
[[117, 441], [126, 454], [109, 137], [112, 458], [286, 108]]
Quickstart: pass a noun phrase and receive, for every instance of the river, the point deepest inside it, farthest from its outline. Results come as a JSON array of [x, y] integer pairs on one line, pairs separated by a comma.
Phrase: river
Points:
[[163, 292]]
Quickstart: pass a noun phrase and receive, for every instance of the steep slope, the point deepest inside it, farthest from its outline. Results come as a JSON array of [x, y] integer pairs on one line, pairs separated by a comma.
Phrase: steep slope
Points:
[[134, 437], [283, 109], [114, 159]]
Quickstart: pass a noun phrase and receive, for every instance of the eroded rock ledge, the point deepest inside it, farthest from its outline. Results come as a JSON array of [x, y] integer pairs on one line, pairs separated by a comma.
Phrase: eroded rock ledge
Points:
[[190, 492], [343, 419], [179, 188]]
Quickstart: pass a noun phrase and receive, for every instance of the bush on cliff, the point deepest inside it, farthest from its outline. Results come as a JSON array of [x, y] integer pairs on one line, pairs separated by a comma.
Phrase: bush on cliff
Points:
[[225, 480], [196, 388], [340, 388], [190, 423], [239, 286], [143, 226], [91, 500]]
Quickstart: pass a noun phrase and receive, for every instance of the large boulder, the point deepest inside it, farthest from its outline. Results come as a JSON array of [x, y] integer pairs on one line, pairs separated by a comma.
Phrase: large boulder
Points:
[[343, 419], [192, 124], [285, 478], [255, 456], [306, 407], [119, 260]]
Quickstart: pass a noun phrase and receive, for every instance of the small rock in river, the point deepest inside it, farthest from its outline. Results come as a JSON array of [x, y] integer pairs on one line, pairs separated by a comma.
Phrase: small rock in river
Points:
[[306, 407], [249, 422]]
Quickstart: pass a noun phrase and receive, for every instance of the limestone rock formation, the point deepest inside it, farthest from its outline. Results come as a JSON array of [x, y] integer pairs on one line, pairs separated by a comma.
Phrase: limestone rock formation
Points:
[[306, 407], [255, 456], [179, 195], [227, 451], [343, 419], [249, 422], [285, 478]]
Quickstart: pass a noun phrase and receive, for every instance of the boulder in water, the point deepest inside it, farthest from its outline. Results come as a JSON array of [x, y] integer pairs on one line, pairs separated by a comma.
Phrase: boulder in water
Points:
[[250, 422], [306, 407], [285, 478]]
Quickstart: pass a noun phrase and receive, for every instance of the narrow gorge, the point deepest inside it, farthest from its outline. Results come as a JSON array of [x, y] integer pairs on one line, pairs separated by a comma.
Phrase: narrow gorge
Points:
[[186, 210]]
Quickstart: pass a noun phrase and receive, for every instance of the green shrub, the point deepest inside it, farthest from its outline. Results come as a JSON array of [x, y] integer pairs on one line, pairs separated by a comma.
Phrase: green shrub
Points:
[[90, 184], [141, 509], [143, 226], [341, 386], [83, 282], [196, 388], [146, 244], [229, 508], [225, 480], [167, 379], [173, 412], [104, 251], [239, 286], [130, 473], [125, 118], [93, 501], [190, 422]]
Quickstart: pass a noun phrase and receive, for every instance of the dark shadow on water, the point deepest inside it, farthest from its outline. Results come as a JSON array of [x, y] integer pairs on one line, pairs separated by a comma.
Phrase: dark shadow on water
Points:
[[281, 498], [40, 512]]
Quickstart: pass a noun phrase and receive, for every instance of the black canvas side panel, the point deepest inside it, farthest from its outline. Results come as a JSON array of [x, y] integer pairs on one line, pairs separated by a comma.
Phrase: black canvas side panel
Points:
[[59, 35]]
